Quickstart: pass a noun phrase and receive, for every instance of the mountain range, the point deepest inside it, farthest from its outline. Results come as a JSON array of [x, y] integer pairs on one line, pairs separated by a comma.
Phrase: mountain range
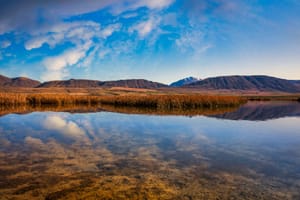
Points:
[[81, 83], [78, 83], [232, 83]]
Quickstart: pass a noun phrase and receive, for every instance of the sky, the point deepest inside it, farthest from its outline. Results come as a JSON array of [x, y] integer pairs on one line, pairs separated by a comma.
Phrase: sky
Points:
[[158, 40]]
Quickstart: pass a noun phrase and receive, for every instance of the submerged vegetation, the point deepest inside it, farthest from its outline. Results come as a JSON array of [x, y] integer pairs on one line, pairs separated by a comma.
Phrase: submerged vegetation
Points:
[[141, 101]]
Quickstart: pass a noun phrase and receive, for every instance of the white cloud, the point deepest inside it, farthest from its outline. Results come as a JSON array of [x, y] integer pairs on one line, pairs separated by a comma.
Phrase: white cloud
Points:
[[35, 43], [108, 31], [56, 65], [5, 44], [69, 57], [68, 128], [127, 5], [146, 27], [130, 15], [154, 4]]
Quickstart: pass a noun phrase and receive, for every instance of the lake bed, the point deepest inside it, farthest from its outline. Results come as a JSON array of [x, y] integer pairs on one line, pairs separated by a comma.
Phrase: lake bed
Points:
[[250, 153]]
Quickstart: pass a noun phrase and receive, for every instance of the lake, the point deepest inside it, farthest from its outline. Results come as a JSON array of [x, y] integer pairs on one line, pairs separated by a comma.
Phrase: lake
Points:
[[249, 153]]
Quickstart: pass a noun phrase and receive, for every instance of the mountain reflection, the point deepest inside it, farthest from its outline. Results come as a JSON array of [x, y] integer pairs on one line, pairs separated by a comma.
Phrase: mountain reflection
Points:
[[252, 111], [261, 111]]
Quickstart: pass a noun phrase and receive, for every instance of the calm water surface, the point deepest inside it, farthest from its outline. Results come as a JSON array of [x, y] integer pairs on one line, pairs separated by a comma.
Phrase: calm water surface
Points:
[[251, 153]]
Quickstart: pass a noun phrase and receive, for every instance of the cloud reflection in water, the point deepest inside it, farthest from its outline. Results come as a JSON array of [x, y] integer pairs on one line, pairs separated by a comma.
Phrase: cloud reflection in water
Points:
[[61, 125]]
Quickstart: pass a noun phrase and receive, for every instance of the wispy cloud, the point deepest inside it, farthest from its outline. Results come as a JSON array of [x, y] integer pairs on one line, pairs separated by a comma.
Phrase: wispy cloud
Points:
[[129, 5], [56, 66], [193, 42], [144, 28], [81, 34], [152, 4], [222, 7], [4, 44], [37, 42], [109, 30]]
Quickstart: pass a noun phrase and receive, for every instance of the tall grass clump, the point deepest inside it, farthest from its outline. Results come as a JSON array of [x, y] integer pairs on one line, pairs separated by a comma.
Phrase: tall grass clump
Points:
[[11, 99]]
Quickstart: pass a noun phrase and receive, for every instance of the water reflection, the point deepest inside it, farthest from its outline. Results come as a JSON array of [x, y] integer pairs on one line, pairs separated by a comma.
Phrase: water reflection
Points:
[[119, 156], [58, 124], [259, 111]]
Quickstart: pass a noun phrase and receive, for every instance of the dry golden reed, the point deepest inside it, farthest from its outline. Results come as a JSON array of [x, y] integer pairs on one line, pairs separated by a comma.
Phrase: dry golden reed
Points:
[[13, 99], [173, 101], [150, 101]]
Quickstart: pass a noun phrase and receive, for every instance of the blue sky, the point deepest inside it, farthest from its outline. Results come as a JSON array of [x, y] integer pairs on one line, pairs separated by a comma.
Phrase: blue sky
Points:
[[159, 40]]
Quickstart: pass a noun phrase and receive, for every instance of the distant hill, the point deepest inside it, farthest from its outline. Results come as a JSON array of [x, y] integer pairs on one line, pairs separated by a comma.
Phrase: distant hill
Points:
[[134, 83], [4, 80], [23, 82], [80, 83], [72, 83], [184, 81], [257, 83], [18, 82]]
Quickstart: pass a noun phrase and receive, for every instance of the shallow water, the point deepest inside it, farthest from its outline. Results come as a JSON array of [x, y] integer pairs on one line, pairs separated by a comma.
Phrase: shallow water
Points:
[[251, 153]]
